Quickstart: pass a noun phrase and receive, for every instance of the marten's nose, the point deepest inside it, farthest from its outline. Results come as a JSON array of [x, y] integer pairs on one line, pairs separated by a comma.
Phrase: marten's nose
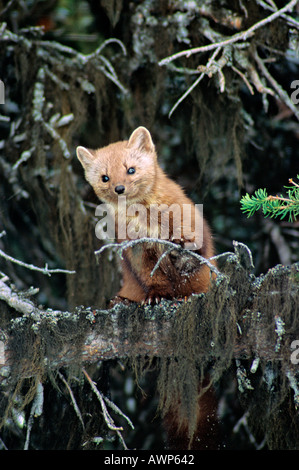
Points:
[[120, 189]]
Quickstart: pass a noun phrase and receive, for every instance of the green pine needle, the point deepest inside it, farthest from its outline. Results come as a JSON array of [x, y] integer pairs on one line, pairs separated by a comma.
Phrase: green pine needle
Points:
[[273, 206]]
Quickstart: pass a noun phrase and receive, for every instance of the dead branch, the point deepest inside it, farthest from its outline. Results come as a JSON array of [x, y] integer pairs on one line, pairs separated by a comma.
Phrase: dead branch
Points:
[[120, 247], [44, 270], [282, 94], [242, 36], [233, 57], [127, 331], [210, 61], [242, 317], [108, 419]]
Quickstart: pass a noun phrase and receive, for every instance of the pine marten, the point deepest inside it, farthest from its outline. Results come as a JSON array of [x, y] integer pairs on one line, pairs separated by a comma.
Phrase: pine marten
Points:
[[129, 169]]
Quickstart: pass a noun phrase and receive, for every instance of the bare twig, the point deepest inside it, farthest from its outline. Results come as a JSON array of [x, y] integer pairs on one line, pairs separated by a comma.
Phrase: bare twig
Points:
[[44, 270], [13, 300], [117, 410], [244, 78], [108, 420], [191, 88], [279, 90], [74, 403], [120, 247], [256, 80], [164, 255], [243, 421], [291, 21], [94, 57], [23, 158], [213, 67], [7, 7], [36, 410]]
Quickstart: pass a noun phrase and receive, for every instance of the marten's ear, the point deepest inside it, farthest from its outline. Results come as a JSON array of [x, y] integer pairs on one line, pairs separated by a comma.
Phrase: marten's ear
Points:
[[85, 156], [141, 139]]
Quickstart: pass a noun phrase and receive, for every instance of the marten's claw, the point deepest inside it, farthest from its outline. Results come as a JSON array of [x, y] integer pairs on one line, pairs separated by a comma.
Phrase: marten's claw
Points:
[[151, 300]]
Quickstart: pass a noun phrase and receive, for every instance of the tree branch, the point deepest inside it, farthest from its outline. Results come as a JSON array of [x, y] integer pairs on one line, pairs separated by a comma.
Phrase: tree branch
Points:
[[88, 335], [277, 87], [244, 35], [44, 270], [120, 247], [233, 57]]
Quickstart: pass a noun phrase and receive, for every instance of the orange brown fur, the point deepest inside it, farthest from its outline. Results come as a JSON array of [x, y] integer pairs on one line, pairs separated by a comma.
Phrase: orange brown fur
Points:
[[149, 185]]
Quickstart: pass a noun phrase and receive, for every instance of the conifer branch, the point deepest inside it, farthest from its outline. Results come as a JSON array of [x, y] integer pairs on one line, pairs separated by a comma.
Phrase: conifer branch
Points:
[[273, 206]]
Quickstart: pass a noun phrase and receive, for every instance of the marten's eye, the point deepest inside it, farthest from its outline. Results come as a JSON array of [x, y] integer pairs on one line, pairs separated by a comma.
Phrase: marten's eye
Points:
[[105, 178], [131, 171]]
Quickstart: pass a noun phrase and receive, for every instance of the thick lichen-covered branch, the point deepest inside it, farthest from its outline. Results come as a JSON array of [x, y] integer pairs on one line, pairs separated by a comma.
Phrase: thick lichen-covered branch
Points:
[[242, 320], [132, 330]]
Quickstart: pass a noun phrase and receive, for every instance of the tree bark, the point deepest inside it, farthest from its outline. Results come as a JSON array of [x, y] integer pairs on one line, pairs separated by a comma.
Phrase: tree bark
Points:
[[264, 321]]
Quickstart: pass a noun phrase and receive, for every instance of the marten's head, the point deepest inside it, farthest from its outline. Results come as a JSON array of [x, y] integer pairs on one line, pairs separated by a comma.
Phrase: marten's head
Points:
[[126, 168]]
